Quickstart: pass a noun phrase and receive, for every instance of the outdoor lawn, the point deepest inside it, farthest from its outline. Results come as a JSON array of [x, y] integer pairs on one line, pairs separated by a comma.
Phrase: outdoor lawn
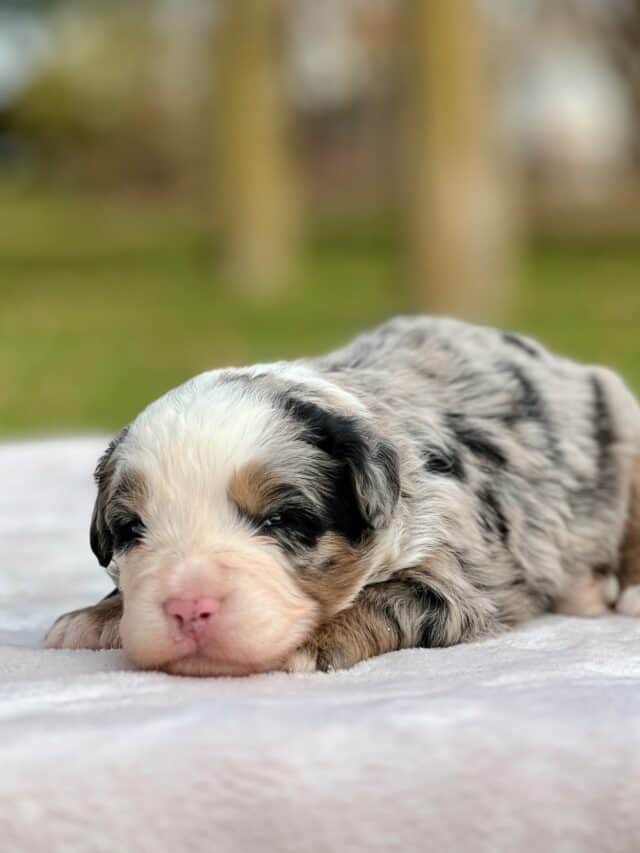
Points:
[[104, 305]]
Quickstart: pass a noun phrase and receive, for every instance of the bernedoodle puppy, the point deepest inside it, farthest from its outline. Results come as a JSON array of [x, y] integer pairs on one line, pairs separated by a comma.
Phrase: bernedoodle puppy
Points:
[[432, 483]]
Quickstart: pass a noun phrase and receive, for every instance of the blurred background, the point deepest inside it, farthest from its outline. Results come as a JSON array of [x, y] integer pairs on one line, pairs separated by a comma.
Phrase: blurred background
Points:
[[186, 184]]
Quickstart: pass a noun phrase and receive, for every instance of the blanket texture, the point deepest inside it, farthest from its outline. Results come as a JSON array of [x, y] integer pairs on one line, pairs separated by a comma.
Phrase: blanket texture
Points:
[[527, 742]]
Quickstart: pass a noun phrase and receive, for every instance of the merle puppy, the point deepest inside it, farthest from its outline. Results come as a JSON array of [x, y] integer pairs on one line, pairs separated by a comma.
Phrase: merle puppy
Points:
[[432, 483]]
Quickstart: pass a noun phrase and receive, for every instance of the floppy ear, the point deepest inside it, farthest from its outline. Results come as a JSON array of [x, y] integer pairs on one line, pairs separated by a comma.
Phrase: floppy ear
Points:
[[372, 461], [100, 536]]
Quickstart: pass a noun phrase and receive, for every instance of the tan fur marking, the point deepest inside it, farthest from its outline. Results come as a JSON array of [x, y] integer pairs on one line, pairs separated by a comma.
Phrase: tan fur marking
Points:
[[353, 635], [338, 574], [383, 618], [252, 488]]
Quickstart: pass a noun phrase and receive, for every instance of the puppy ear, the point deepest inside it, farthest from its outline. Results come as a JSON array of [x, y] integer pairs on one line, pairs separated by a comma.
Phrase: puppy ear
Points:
[[376, 479], [100, 536], [372, 461]]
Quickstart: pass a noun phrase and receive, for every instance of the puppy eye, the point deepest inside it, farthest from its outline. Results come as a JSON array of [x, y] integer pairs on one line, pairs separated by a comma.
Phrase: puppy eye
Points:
[[271, 522], [129, 532]]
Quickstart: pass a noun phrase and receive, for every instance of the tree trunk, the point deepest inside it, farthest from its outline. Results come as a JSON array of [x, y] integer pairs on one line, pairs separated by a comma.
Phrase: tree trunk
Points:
[[254, 190], [457, 230]]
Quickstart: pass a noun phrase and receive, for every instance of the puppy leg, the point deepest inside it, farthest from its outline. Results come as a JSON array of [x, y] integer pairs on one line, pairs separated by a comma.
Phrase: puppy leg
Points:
[[96, 627], [629, 601], [594, 593], [384, 618], [591, 594], [353, 635]]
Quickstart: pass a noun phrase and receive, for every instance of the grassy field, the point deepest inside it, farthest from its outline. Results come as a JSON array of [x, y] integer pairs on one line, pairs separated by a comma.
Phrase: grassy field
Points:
[[105, 306]]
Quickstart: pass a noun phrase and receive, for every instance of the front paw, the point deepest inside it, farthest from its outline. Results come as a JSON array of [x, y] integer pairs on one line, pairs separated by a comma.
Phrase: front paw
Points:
[[84, 629], [629, 602], [317, 656], [303, 659]]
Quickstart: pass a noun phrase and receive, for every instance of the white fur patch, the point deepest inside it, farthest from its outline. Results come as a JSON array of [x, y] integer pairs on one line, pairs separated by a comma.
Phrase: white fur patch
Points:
[[629, 602], [263, 616]]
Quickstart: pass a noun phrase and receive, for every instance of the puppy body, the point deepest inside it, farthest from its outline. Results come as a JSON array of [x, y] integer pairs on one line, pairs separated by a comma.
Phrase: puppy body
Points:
[[431, 483]]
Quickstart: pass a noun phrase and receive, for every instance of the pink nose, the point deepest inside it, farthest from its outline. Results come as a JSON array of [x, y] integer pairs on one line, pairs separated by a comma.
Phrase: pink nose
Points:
[[192, 615]]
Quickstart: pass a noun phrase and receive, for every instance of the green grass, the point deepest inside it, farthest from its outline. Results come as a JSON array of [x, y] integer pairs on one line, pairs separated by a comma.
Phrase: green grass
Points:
[[104, 306]]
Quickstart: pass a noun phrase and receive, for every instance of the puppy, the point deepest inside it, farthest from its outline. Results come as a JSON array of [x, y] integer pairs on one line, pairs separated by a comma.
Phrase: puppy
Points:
[[432, 483]]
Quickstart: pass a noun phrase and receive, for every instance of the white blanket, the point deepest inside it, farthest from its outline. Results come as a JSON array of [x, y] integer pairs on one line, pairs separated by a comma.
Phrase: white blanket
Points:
[[526, 742]]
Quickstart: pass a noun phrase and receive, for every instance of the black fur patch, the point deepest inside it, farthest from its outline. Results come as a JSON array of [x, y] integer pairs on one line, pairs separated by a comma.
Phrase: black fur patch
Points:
[[479, 442], [591, 490], [299, 529], [446, 461], [127, 531], [530, 406], [433, 617], [604, 436], [492, 517], [100, 536], [297, 524], [359, 456], [337, 435], [520, 343], [292, 520], [344, 513]]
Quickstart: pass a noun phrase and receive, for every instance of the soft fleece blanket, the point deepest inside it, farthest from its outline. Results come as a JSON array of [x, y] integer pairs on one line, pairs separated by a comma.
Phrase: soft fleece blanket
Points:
[[526, 742]]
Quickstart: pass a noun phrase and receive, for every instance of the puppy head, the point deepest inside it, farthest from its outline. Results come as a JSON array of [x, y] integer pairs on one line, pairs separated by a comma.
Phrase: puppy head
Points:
[[235, 517]]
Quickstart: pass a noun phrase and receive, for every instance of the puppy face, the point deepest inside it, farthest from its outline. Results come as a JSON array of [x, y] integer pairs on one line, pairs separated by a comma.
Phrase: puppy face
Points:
[[235, 516]]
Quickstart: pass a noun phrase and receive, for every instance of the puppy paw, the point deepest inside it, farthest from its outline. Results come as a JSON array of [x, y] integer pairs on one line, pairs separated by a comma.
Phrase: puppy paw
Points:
[[610, 589], [304, 659], [629, 602], [318, 656], [590, 595], [84, 629]]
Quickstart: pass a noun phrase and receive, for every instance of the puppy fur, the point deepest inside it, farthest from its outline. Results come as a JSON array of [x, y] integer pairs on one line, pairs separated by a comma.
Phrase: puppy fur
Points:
[[431, 483]]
